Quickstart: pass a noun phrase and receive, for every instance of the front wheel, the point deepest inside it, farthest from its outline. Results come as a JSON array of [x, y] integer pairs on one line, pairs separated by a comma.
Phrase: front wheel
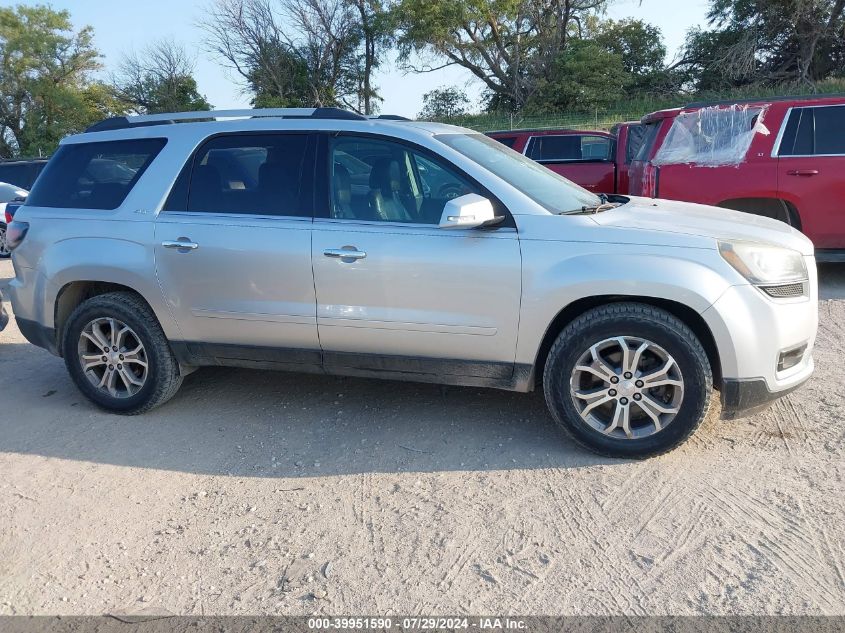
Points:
[[118, 355], [628, 380]]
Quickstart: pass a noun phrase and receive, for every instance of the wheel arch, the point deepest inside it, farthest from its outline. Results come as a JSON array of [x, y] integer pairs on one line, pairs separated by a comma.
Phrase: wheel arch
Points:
[[74, 293], [770, 207], [687, 315]]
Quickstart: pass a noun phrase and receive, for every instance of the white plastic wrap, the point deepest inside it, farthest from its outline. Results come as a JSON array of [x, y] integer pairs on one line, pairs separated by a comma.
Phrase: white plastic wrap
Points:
[[712, 136]]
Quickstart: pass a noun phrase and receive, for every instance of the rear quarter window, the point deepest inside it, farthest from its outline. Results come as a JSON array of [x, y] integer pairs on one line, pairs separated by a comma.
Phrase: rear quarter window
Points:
[[93, 175]]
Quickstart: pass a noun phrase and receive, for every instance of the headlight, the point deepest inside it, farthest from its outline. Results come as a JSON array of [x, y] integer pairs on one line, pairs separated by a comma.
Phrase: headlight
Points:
[[764, 264]]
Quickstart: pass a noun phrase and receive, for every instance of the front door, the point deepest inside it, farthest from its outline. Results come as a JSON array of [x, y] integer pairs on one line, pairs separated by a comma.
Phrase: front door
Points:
[[395, 292], [811, 161], [233, 251]]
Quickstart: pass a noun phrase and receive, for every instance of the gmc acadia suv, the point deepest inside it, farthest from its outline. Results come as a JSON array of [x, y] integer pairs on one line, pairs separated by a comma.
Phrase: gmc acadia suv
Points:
[[320, 240]]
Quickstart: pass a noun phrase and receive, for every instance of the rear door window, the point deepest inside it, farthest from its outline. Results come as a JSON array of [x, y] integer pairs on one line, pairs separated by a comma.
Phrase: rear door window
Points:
[[568, 147], [93, 175], [249, 174]]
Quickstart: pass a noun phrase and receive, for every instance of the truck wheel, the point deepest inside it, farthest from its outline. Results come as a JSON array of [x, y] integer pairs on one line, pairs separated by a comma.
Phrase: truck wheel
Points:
[[118, 355], [628, 380]]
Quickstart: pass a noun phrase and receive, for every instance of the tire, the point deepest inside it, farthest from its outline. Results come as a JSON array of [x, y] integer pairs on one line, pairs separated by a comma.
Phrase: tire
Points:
[[684, 385], [155, 366], [4, 250]]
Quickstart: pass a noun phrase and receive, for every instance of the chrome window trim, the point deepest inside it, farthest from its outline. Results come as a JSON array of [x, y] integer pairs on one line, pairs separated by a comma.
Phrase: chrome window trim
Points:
[[413, 225], [781, 131]]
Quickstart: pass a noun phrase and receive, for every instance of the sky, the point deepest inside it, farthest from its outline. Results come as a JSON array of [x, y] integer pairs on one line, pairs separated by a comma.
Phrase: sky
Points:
[[121, 27]]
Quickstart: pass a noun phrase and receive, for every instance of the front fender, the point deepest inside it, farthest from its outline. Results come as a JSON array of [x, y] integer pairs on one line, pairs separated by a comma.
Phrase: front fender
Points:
[[692, 277]]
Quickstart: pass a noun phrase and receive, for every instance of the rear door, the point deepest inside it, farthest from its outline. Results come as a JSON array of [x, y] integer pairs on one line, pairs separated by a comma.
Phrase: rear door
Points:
[[233, 250], [586, 159], [811, 164]]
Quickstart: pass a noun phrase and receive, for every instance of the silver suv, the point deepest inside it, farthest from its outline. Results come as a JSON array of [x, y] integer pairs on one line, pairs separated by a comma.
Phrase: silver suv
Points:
[[319, 240]]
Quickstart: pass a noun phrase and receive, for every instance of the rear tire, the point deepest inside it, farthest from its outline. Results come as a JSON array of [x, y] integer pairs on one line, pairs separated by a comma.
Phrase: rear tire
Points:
[[646, 411], [118, 355]]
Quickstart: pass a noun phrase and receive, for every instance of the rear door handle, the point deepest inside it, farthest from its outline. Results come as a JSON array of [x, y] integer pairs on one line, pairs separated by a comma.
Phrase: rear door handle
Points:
[[344, 253], [802, 172], [181, 244]]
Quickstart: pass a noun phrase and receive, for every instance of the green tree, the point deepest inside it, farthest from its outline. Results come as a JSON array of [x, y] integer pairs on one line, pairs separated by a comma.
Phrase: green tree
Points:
[[444, 103], [302, 52], [46, 87], [777, 41], [159, 79], [584, 77], [510, 45], [640, 47]]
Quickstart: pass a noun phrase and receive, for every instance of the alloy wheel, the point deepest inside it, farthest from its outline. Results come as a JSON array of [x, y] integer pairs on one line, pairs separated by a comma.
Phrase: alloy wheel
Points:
[[627, 387], [112, 357]]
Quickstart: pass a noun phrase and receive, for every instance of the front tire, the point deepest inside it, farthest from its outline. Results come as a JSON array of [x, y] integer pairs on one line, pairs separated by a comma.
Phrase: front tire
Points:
[[118, 355], [628, 380]]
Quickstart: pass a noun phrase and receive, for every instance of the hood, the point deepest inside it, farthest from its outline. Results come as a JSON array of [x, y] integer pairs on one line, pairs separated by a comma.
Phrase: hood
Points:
[[700, 220]]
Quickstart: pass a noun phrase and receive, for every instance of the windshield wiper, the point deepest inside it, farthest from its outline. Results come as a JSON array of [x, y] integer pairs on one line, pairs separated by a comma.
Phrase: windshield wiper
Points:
[[604, 205]]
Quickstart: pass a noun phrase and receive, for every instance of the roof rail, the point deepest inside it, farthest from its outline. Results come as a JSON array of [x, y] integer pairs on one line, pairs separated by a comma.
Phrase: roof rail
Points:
[[391, 117], [140, 120], [744, 100]]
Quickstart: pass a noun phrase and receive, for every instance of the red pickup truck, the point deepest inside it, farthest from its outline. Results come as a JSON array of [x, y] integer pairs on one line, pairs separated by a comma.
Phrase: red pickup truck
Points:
[[597, 161], [781, 158]]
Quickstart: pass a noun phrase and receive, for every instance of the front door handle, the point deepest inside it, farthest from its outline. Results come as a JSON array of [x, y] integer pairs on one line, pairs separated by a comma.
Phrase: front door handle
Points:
[[181, 244], [349, 253], [802, 172]]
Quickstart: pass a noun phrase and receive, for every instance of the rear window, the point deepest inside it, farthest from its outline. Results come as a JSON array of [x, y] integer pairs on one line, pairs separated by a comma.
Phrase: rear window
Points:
[[93, 175], [507, 141], [568, 147]]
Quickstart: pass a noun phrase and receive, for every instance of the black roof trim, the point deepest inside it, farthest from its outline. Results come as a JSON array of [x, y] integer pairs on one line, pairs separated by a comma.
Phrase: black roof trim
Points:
[[122, 122], [392, 117], [815, 97]]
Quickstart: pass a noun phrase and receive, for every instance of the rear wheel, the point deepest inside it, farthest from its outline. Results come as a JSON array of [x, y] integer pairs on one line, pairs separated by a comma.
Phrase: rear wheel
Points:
[[628, 380], [118, 355]]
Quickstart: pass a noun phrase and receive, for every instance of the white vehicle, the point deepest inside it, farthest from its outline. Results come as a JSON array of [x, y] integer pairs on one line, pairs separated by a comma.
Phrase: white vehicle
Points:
[[319, 240], [8, 193]]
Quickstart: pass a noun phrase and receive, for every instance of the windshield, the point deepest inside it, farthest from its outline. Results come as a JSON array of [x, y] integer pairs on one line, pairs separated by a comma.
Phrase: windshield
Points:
[[543, 186]]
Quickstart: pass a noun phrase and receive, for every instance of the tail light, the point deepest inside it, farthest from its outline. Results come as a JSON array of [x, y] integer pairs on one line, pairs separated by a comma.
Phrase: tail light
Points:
[[650, 177], [11, 207], [15, 232]]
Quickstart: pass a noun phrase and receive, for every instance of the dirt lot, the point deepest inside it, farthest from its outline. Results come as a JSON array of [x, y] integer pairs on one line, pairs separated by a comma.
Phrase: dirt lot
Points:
[[277, 493]]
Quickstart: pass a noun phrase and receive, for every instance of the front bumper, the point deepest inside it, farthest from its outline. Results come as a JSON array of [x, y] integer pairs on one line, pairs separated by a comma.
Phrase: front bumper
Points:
[[744, 397], [753, 334]]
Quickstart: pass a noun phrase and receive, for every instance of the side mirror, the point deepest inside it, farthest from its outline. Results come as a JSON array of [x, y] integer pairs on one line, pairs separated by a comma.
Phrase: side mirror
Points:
[[467, 212]]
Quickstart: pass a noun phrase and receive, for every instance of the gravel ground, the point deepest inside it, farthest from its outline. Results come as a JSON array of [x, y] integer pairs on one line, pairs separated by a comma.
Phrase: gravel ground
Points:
[[272, 493]]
